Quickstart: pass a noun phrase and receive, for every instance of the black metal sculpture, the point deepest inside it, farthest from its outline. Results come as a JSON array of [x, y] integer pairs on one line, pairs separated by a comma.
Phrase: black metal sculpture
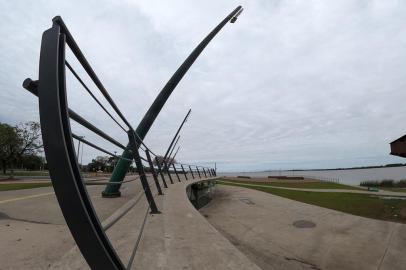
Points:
[[70, 187]]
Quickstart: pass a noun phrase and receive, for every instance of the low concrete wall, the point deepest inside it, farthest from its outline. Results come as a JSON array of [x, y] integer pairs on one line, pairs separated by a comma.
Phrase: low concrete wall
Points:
[[201, 193]]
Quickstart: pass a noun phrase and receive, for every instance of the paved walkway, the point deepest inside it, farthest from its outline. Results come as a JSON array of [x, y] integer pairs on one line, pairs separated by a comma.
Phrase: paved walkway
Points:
[[178, 238], [181, 238], [380, 192], [249, 230], [33, 231], [34, 234], [262, 226]]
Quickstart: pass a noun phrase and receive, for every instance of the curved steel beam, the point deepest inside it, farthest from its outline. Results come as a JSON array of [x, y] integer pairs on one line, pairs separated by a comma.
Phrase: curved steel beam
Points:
[[68, 184], [122, 166]]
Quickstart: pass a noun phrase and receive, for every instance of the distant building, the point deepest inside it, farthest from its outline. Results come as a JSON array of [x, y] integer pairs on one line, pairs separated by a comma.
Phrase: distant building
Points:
[[398, 147]]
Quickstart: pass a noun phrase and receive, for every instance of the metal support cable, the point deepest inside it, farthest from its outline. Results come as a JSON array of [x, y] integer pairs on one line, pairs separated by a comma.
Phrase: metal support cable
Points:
[[176, 134], [109, 222], [80, 120], [92, 95], [143, 144], [93, 183], [154, 175], [81, 58], [140, 169], [176, 172], [160, 171], [184, 172], [167, 90], [130, 261], [32, 86], [173, 158], [173, 148], [79, 138]]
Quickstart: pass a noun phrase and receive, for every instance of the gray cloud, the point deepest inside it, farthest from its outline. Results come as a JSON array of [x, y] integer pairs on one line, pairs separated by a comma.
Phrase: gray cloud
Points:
[[293, 84]]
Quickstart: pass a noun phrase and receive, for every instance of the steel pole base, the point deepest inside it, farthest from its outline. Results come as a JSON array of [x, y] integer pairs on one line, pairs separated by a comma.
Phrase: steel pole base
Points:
[[119, 172], [111, 194]]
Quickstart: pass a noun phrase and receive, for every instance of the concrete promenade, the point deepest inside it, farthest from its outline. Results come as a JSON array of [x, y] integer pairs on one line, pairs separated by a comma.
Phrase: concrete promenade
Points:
[[34, 234], [278, 233], [33, 231], [240, 229], [181, 238]]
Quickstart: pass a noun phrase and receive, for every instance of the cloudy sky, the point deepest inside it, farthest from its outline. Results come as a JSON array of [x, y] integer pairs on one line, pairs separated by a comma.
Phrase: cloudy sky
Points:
[[292, 84]]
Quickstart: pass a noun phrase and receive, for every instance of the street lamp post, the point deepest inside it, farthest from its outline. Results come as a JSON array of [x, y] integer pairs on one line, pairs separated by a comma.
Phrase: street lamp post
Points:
[[78, 153], [81, 154], [115, 160]]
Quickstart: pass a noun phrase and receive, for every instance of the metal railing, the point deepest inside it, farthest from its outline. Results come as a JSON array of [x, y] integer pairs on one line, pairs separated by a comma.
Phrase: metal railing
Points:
[[58, 138]]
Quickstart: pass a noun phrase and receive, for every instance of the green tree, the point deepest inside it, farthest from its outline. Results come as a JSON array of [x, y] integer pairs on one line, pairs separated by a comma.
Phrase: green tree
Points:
[[99, 163], [19, 141], [168, 161], [29, 134], [111, 163], [32, 162], [9, 145]]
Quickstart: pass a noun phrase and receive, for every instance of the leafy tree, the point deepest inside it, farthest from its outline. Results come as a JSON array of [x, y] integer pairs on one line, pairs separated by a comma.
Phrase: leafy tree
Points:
[[98, 163], [9, 145], [169, 161], [32, 162], [111, 163], [17, 142], [29, 134]]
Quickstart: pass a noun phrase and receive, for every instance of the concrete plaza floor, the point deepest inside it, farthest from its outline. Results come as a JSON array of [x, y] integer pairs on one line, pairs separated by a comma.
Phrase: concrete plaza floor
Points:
[[35, 236], [240, 229], [33, 231]]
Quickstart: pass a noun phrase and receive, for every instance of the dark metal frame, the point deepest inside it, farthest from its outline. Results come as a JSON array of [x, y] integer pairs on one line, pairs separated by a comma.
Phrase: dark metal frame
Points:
[[134, 145], [153, 172], [70, 187], [166, 168], [191, 171], [71, 192], [153, 111], [176, 172], [160, 172], [184, 172]]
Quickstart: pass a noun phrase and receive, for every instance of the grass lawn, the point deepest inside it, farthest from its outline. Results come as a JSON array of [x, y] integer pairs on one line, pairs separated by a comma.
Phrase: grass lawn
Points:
[[27, 173], [4, 187], [310, 185], [357, 204]]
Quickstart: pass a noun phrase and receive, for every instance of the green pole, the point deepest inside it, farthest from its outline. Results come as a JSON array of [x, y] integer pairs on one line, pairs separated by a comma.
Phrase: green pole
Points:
[[123, 165]]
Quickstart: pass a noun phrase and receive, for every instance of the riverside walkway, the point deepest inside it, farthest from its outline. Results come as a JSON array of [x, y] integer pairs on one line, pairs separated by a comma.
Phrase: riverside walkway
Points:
[[279, 233], [239, 229], [34, 234]]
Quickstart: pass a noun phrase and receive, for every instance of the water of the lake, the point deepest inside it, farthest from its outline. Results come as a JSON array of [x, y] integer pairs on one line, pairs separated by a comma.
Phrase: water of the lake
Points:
[[349, 177]]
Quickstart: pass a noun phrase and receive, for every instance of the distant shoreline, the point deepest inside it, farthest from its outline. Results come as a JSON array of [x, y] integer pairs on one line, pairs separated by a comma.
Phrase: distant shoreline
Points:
[[350, 168], [333, 169]]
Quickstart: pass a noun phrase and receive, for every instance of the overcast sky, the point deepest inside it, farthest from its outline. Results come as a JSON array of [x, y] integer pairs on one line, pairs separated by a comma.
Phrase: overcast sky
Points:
[[292, 84]]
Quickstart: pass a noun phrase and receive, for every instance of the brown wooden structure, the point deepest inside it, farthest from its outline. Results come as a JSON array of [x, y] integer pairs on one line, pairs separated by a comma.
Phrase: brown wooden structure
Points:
[[398, 147]]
